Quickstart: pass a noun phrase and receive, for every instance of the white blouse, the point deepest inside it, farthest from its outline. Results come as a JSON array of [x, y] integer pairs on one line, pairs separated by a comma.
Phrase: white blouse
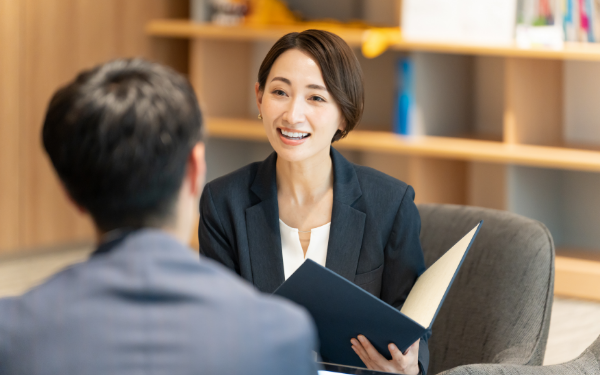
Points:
[[293, 255]]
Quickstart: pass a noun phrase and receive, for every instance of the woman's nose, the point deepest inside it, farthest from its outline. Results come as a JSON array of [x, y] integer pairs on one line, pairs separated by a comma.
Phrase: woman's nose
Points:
[[295, 112]]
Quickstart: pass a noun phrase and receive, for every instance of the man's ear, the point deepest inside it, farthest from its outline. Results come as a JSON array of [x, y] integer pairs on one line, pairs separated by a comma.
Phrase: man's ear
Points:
[[259, 96], [197, 168]]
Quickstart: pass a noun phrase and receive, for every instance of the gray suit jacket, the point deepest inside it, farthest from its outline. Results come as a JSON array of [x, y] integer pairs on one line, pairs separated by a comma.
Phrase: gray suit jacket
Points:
[[373, 240], [144, 304]]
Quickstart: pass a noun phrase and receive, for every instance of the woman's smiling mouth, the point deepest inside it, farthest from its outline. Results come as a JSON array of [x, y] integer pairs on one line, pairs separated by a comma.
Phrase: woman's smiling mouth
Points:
[[294, 136]]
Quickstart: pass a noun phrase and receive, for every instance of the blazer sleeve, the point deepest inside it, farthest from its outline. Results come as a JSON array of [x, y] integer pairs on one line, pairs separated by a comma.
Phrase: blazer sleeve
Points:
[[212, 236], [404, 263], [291, 337]]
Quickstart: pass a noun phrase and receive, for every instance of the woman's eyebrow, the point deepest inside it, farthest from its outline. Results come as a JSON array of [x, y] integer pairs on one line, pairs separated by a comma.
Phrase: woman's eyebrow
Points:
[[284, 80], [316, 87], [311, 86]]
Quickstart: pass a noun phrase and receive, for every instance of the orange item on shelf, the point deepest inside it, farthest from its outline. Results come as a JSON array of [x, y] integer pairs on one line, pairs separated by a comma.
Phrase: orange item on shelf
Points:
[[270, 12], [377, 40]]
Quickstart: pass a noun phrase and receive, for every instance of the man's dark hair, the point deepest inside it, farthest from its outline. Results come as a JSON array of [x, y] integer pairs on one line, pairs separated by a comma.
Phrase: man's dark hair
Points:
[[119, 137]]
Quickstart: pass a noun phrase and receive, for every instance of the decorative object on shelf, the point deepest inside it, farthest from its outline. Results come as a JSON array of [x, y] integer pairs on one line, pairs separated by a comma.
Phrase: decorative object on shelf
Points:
[[377, 40], [270, 12], [228, 12], [200, 10], [539, 24]]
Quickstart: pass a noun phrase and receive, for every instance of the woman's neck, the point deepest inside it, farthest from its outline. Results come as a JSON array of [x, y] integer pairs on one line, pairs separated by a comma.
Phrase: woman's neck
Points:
[[307, 180]]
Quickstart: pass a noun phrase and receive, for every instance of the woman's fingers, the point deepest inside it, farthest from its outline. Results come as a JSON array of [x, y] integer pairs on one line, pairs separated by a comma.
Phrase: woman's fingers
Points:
[[370, 349], [408, 362], [362, 354], [403, 363], [397, 355]]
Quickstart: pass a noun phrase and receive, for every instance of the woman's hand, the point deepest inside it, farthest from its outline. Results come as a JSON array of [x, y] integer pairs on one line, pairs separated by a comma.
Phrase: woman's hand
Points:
[[407, 363]]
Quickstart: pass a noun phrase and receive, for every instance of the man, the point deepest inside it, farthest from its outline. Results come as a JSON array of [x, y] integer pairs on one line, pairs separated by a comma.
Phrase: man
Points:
[[125, 139]]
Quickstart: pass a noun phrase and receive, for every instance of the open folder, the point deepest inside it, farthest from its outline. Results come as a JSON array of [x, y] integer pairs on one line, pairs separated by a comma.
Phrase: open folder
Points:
[[343, 310]]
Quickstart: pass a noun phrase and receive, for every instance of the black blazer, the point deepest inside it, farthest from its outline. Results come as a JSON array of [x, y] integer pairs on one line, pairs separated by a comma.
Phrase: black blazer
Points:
[[373, 240]]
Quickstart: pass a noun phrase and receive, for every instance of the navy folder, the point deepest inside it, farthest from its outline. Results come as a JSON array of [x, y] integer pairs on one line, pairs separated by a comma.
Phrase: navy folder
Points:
[[342, 310]]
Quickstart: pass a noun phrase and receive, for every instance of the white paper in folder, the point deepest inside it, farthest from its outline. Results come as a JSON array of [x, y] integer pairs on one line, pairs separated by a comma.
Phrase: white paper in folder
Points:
[[459, 21]]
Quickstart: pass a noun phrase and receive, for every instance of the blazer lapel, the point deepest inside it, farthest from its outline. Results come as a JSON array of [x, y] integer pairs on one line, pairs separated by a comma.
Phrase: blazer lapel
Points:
[[262, 226], [347, 223]]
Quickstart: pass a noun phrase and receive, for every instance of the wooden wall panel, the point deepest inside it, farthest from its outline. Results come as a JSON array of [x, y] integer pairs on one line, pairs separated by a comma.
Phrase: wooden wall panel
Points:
[[219, 72], [533, 102], [10, 40], [487, 185], [50, 60], [59, 38], [438, 180]]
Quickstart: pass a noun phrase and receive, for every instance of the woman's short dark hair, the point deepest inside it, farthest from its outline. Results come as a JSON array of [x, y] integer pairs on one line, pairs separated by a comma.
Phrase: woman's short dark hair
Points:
[[340, 69], [119, 137]]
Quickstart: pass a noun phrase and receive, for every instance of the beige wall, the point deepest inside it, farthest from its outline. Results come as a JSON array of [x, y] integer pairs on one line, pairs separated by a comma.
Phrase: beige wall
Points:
[[43, 44]]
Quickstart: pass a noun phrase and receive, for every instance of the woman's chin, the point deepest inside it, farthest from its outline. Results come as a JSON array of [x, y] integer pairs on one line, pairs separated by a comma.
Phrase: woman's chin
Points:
[[300, 153], [292, 155]]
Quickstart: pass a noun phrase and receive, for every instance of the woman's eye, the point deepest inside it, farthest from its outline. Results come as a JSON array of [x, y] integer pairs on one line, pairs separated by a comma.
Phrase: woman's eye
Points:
[[317, 98], [279, 92]]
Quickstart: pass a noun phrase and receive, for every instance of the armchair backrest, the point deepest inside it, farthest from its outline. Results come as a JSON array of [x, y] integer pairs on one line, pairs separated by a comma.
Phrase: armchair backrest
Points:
[[498, 309], [588, 363]]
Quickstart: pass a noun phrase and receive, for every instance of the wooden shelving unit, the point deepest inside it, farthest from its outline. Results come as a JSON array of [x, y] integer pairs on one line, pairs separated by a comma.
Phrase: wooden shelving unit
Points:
[[354, 37], [443, 169], [428, 146], [577, 274]]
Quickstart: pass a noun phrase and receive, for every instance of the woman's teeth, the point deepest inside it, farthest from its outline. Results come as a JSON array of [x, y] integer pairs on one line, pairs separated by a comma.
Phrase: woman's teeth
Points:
[[294, 134]]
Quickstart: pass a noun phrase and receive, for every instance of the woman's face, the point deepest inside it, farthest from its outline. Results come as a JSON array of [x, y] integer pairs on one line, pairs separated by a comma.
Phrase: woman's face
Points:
[[299, 114]]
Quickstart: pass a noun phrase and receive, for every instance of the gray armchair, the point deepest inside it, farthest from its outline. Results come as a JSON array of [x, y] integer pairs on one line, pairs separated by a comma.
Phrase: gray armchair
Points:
[[498, 309], [588, 363]]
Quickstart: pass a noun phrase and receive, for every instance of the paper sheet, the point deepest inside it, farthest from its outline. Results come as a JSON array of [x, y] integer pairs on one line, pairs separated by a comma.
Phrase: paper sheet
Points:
[[429, 290]]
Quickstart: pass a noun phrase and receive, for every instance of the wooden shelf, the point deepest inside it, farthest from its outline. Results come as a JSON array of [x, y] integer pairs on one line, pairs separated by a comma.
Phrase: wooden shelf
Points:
[[438, 147], [189, 29], [577, 274], [354, 37]]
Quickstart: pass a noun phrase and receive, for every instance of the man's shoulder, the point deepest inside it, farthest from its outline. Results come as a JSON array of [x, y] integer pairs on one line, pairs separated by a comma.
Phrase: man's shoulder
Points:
[[270, 309], [201, 302]]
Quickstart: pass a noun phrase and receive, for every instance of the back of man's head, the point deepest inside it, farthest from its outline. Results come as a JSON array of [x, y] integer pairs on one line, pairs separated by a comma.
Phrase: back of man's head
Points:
[[119, 137]]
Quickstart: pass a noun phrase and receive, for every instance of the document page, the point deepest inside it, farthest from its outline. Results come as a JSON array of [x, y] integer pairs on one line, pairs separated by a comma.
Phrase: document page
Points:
[[428, 292]]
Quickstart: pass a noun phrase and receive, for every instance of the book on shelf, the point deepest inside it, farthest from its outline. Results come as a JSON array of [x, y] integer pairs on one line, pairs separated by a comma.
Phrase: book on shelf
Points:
[[404, 106], [459, 21], [342, 310], [544, 23], [529, 23]]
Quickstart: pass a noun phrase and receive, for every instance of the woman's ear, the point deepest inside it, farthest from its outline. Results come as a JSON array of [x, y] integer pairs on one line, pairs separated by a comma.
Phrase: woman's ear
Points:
[[342, 125], [259, 96]]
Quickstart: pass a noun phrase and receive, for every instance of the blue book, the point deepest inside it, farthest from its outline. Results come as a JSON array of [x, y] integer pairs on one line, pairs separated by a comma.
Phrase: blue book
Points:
[[404, 97], [591, 24], [568, 23], [342, 310]]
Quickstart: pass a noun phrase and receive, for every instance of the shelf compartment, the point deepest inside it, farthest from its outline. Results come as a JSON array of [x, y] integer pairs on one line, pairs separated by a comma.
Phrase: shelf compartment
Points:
[[577, 274], [354, 36], [436, 147]]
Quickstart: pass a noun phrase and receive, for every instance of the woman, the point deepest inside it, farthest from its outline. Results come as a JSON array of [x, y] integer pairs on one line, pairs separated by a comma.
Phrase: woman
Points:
[[307, 201]]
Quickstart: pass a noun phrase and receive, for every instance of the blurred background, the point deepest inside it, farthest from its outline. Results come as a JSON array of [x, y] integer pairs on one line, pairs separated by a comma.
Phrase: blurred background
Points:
[[490, 103]]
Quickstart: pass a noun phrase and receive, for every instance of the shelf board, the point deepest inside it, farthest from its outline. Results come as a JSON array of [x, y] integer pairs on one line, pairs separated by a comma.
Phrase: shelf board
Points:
[[189, 29], [354, 37], [577, 274], [426, 146]]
